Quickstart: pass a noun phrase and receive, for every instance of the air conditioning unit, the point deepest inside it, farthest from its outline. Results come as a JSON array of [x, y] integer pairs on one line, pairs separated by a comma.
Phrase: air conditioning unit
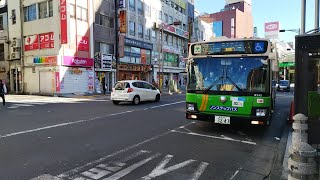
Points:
[[15, 55], [16, 43]]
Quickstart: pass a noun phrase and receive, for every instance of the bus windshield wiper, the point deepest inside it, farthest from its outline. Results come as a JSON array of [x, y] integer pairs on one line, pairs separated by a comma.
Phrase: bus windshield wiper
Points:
[[211, 85]]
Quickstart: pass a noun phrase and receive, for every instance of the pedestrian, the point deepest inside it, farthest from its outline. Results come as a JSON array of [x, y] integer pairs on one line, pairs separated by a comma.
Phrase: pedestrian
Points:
[[180, 83], [3, 91], [104, 85], [166, 82]]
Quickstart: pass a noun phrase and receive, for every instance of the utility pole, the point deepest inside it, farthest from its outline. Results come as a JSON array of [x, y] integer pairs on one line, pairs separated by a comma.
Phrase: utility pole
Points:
[[116, 41], [316, 19], [303, 16]]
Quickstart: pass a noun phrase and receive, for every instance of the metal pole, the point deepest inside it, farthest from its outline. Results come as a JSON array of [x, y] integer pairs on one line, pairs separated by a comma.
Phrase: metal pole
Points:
[[116, 41], [303, 16], [162, 32], [316, 19], [22, 49]]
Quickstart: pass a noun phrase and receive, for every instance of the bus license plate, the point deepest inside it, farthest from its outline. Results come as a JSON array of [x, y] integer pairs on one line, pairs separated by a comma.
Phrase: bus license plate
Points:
[[222, 120]]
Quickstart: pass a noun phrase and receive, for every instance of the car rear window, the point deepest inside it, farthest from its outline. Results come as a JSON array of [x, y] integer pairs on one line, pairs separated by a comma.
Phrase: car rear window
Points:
[[284, 82], [121, 85]]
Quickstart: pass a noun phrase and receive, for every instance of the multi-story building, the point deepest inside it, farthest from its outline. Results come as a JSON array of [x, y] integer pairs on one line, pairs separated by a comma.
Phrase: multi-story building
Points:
[[104, 41], [202, 31], [4, 46], [144, 49], [51, 46], [234, 21]]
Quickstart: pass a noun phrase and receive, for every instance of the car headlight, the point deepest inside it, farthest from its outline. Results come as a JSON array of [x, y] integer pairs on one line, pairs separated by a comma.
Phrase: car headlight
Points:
[[190, 107], [261, 112]]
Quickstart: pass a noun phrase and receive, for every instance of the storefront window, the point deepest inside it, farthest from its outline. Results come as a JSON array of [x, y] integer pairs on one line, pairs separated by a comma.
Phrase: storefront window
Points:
[[148, 53]]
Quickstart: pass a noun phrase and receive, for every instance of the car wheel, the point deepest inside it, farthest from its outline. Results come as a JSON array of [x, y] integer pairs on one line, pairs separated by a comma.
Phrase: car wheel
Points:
[[116, 102], [157, 99], [136, 100]]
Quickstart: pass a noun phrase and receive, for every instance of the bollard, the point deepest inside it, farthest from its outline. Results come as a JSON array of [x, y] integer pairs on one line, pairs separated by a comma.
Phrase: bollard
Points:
[[300, 128], [301, 164]]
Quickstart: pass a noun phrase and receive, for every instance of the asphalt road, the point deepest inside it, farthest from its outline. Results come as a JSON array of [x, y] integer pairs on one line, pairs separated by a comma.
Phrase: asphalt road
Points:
[[94, 139]]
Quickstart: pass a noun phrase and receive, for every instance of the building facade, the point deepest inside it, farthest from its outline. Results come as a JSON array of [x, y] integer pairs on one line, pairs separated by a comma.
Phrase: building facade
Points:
[[143, 23], [52, 46], [202, 31], [4, 46], [234, 21], [104, 42]]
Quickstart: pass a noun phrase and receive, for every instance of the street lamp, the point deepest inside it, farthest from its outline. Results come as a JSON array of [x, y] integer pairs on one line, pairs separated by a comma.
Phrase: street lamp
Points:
[[161, 64], [291, 30]]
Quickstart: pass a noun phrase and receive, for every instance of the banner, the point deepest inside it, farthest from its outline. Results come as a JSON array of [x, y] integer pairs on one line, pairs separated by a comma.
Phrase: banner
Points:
[[63, 22], [83, 43], [46, 40], [143, 56], [123, 21], [31, 42], [121, 46], [57, 82]]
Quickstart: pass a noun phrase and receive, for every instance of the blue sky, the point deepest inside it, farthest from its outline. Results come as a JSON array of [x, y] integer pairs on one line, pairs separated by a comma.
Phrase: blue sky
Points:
[[287, 12]]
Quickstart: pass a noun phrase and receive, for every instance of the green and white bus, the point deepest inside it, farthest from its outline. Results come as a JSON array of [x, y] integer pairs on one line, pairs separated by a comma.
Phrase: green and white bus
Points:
[[230, 81]]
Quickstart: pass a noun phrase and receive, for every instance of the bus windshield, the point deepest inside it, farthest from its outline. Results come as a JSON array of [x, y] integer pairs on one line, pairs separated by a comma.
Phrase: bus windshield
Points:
[[247, 74]]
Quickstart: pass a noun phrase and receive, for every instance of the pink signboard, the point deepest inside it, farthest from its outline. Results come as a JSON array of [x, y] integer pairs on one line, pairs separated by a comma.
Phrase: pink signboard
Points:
[[58, 82], [77, 61], [271, 27]]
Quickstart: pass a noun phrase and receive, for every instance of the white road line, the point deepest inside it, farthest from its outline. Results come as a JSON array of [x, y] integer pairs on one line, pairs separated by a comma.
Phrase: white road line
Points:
[[127, 170], [76, 170], [161, 170], [235, 174], [200, 170], [60, 125], [153, 107], [216, 137]]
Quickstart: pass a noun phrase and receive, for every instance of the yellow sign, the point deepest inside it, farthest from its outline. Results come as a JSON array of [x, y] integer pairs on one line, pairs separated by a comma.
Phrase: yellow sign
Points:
[[291, 71], [229, 49]]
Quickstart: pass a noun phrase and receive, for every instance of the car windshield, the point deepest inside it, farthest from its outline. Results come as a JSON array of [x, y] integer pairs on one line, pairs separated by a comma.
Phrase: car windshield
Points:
[[284, 83], [228, 74]]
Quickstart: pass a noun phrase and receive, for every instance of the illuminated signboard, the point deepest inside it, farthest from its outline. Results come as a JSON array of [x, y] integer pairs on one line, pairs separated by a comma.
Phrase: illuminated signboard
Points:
[[230, 47]]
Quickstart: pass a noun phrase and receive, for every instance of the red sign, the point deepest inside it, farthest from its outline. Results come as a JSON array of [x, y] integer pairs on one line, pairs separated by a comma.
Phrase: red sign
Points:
[[83, 43], [46, 40], [143, 53], [271, 27], [31, 42], [58, 88], [121, 46], [169, 28], [77, 61], [63, 22]]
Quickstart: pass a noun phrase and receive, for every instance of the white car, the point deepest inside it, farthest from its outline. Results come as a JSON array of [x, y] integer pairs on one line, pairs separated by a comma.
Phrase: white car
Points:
[[134, 91]]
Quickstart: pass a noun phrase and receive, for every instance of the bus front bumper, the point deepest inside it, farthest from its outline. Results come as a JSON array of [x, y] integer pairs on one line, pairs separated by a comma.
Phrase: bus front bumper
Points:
[[232, 119]]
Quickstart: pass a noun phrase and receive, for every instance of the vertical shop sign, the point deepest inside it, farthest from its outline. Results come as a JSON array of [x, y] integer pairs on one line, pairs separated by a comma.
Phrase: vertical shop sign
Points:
[[63, 22], [143, 53], [121, 46], [58, 88], [123, 21]]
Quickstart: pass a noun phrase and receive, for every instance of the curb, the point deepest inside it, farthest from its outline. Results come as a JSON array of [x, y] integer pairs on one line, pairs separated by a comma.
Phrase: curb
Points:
[[285, 170], [46, 177]]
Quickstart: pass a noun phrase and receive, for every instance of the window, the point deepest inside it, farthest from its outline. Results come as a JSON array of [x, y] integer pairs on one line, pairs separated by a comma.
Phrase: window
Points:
[[104, 48], [166, 38], [82, 14], [170, 19], [147, 9], [132, 28], [165, 17], [170, 40], [2, 52], [147, 34], [140, 31], [160, 15], [45, 9], [132, 5], [104, 20], [30, 13], [1, 23], [154, 34], [140, 7], [13, 16], [72, 9]]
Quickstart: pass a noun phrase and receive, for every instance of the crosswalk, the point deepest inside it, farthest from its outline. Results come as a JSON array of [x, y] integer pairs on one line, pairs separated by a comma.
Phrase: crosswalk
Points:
[[23, 101]]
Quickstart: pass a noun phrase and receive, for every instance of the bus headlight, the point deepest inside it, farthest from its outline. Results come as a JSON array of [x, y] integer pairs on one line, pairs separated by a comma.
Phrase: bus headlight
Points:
[[261, 112], [190, 107]]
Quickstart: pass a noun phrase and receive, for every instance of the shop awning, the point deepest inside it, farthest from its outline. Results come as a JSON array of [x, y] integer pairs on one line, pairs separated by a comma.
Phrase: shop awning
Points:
[[287, 60]]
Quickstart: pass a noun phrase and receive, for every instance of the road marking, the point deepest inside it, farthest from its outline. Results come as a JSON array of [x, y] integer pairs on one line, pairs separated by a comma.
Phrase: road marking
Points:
[[131, 168], [215, 137], [161, 170], [98, 161], [235, 174], [61, 125], [200, 170], [163, 105]]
